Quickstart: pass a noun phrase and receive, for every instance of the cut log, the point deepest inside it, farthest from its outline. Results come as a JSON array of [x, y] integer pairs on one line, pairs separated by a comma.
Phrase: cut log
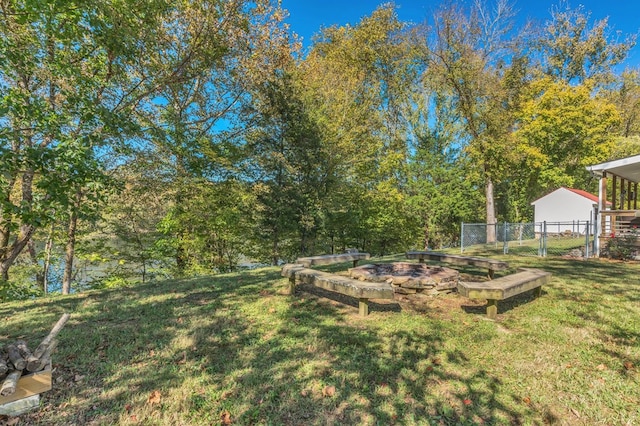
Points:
[[42, 347], [44, 360], [16, 359], [3, 363], [27, 355], [10, 383]]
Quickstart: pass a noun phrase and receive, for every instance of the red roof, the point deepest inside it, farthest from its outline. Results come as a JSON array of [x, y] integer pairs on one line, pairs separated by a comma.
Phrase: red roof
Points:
[[585, 194]]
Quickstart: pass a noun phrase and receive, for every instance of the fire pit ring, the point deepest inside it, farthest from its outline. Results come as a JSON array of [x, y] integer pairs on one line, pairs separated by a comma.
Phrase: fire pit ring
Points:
[[407, 278]]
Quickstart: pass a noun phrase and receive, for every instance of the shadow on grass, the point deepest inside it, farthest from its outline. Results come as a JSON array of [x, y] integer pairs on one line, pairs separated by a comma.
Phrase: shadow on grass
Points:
[[315, 364], [389, 306], [506, 305], [233, 344]]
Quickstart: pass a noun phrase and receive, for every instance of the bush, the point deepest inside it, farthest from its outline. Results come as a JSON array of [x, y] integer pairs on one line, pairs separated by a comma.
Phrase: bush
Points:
[[624, 246]]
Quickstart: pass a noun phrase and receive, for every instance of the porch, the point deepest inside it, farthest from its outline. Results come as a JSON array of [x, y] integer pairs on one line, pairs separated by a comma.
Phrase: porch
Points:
[[618, 212]]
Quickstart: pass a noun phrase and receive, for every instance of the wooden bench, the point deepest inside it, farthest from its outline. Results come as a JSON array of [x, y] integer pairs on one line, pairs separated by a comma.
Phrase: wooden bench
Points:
[[504, 287], [491, 264], [361, 290], [328, 259]]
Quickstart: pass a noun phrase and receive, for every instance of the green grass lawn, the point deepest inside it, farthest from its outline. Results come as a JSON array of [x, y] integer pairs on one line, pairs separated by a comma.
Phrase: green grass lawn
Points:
[[233, 349]]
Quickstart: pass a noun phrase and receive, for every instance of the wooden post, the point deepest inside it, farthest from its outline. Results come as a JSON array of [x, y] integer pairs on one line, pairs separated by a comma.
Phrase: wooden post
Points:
[[363, 307], [614, 201], [628, 195], [492, 308], [635, 196], [292, 285], [602, 206], [421, 260], [491, 273]]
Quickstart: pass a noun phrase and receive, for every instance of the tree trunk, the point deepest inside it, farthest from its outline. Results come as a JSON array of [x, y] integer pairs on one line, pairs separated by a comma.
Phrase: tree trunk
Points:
[[426, 234], [70, 251], [491, 212], [31, 247], [12, 252], [47, 261]]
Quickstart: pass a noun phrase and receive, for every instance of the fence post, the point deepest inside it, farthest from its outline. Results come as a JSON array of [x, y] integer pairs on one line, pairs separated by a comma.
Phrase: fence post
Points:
[[462, 238], [505, 235], [544, 242], [586, 245]]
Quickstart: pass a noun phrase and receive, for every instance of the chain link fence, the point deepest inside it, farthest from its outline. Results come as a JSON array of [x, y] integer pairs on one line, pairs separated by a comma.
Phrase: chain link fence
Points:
[[573, 238]]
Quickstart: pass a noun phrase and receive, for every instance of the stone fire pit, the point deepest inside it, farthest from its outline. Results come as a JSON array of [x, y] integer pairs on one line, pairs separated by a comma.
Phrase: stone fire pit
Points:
[[408, 278]]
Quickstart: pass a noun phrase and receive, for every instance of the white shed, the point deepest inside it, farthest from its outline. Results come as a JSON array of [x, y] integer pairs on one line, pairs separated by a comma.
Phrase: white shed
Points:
[[566, 210]]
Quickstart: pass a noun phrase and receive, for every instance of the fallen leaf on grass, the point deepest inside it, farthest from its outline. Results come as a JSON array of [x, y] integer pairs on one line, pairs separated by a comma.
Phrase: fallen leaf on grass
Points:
[[467, 401], [329, 391], [154, 397], [575, 412], [526, 400], [9, 421], [128, 408], [628, 365], [134, 418], [304, 392], [225, 417], [601, 367]]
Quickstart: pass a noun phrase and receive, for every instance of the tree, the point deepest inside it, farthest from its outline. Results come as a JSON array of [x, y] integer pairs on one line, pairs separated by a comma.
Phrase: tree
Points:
[[79, 81], [625, 95], [563, 129], [474, 59], [574, 51]]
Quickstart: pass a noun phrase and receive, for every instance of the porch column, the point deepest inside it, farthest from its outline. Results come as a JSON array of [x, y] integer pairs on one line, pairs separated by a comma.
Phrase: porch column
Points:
[[602, 203]]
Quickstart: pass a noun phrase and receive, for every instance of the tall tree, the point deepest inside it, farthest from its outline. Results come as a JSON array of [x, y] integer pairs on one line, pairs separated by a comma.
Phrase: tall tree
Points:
[[77, 77], [573, 49], [562, 130], [474, 58]]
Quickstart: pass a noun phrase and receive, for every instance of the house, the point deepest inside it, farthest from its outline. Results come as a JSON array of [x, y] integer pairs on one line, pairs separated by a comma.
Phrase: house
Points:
[[618, 183], [566, 210]]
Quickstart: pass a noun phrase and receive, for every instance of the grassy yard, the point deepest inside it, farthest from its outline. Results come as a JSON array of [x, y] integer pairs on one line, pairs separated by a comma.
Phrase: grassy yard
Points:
[[233, 349]]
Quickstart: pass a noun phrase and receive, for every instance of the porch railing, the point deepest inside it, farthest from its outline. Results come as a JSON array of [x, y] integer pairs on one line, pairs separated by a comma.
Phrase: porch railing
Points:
[[618, 222]]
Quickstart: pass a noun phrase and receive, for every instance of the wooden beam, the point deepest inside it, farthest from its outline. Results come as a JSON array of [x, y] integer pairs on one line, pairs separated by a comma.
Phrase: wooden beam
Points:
[[614, 204], [635, 196]]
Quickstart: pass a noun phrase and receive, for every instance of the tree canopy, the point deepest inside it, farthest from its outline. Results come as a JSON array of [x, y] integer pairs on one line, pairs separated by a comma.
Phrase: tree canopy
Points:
[[157, 138]]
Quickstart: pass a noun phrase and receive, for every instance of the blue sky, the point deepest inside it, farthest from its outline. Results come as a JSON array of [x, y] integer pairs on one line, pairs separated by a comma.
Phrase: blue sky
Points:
[[308, 16]]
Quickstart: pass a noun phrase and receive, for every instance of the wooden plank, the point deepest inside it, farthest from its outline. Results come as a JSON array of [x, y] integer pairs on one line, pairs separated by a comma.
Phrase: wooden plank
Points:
[[329, 259], [338, 283], [346, 286], [481, 262], [30, 384], [505, 287]]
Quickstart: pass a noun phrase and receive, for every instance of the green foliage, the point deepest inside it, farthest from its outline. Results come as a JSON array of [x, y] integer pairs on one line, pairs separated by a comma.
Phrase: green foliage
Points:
[[562, 130], [624, 246], [574, 50], [22, 285], [182, 138]]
